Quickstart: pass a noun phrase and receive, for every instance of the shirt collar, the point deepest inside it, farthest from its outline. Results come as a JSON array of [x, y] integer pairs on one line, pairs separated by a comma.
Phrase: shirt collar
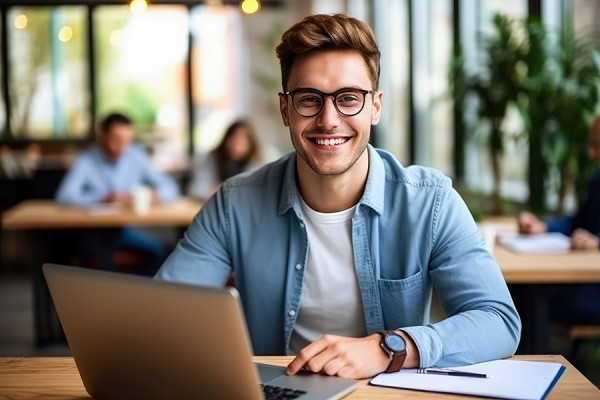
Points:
[[372, 195]]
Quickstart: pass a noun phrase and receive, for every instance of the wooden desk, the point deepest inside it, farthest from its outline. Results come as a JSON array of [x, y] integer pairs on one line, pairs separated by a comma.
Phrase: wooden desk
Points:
[[57, 378], [572, 267], [534, 278], [49, 223], [46, 214]]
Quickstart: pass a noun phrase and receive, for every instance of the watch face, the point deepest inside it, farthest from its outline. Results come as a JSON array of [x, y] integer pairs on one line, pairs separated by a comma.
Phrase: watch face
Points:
[[395, 343]]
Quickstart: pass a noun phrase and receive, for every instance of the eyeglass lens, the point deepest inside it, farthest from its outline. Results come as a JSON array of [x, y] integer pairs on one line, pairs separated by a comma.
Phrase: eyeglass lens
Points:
[[308, 103]]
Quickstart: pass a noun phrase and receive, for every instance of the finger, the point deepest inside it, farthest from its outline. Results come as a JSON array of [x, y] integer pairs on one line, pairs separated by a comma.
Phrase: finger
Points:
[[305, 355], [333, 366]]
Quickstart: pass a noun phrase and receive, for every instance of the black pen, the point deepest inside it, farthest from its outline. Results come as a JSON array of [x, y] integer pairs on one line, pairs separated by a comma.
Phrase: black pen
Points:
[[451, 372]]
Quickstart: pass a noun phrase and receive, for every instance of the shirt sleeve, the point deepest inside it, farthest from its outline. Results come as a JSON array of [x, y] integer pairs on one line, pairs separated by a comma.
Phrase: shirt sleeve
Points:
[[202, 256], [75, 188], [164, 184], [563, 225], [482, 322]]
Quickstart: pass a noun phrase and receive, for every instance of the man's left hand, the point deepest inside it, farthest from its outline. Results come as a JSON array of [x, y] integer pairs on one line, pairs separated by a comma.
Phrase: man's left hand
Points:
[[584, 240]]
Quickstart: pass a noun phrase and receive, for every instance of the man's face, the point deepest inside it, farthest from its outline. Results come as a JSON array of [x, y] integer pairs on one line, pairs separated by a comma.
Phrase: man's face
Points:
[[594, 143], [116, 140], [329, 71]]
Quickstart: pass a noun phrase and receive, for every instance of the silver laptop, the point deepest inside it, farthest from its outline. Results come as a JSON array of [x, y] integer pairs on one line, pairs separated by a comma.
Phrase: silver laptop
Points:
[[133, 337]]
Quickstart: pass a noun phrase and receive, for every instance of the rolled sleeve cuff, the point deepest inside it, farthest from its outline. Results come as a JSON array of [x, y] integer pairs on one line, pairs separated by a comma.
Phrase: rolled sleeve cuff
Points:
[[428, 342]]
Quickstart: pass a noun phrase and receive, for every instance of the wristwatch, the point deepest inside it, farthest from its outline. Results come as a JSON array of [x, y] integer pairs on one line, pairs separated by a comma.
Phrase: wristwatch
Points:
[[394, 346]]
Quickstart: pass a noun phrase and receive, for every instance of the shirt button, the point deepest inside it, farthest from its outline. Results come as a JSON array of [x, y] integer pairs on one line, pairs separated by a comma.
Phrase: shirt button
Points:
[[292, 313], [298, 267], [301, 225]]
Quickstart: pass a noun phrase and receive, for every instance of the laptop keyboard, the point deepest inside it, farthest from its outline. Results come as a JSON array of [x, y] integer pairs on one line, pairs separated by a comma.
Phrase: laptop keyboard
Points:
[[281, 393]]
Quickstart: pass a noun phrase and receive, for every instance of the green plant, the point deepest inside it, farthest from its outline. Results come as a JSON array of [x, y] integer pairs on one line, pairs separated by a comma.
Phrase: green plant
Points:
[[496, 87], [554, 81]]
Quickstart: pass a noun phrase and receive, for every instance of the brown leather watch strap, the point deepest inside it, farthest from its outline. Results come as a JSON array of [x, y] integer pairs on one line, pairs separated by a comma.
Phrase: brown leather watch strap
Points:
[[396, 363], [396, 360]]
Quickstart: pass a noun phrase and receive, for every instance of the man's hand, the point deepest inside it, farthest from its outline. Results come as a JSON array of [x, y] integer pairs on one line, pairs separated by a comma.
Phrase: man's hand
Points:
[[584, 240], [529, 224], [355, 358], [123, 199]]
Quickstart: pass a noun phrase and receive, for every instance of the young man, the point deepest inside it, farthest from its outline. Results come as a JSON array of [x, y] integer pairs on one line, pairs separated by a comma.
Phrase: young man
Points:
[[335, 247], [107, 173]]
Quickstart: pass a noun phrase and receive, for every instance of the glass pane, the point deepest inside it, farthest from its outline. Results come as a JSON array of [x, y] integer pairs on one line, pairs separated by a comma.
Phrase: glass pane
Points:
[[218, 72], [48, 75], [391, 31], [141, 72], [477, 25]]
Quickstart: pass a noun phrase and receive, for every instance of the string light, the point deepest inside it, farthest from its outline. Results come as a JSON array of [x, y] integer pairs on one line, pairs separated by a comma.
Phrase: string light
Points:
[[250, 6], [138, 5], [65, 34], [21, 21]]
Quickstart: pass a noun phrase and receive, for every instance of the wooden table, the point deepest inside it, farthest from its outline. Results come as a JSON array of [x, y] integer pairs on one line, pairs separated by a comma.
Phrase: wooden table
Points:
[[534, 278], [46, 214], [57, 378], [572, 267], [49, 225]]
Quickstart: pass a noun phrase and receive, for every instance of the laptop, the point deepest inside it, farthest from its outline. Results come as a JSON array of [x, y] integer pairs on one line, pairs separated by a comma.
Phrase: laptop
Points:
[[133, 337]]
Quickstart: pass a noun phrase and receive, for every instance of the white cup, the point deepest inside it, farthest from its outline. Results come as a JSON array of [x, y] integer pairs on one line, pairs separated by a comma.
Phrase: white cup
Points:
[[489, 236], [142, 199]]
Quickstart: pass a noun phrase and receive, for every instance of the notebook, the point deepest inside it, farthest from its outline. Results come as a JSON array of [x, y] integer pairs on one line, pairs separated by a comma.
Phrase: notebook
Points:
[[134, 337], [553, 242], [508, 379]]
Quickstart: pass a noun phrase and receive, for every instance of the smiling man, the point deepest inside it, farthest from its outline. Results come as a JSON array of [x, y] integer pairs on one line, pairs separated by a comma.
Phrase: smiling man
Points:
[[336, 247]]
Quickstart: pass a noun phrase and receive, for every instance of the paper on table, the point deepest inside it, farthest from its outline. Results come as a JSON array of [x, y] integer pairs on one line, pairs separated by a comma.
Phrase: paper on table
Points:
[[104, 209], [553, 242], [511, 379]]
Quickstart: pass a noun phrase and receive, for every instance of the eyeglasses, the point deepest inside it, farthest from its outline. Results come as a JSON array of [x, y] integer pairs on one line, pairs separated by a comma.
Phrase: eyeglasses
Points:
[[309, 102]]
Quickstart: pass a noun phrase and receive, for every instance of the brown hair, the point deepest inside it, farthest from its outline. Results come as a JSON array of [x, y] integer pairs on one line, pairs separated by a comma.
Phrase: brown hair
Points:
[[225, 166], [328, 32]]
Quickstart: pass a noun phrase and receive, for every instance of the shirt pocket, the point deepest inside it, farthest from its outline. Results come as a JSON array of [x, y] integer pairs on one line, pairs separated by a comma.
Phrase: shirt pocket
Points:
[[402, 301]]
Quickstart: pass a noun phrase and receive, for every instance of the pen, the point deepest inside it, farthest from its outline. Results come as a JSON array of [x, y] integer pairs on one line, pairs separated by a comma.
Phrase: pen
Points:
[[451, 372]]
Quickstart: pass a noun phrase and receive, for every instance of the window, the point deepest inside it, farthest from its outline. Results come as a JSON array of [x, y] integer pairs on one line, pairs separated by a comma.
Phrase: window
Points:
[[141, 60], [47, 67]]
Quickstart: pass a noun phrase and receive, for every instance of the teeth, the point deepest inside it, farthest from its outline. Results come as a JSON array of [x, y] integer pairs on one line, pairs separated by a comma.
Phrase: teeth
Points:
[[330, 142]]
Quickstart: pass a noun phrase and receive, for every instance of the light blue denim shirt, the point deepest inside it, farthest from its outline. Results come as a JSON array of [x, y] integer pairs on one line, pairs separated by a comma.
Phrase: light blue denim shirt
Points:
[[410, 232], [93, 177]]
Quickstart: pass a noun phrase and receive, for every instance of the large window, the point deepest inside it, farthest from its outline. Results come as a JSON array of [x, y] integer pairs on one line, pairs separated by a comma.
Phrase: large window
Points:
[[476, 24], [141, 60], [48, 84]]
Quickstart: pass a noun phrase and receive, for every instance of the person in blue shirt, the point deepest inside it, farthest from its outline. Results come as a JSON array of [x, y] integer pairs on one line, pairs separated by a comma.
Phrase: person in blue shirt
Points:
[[107, 174], [577, 304], [336, 247]]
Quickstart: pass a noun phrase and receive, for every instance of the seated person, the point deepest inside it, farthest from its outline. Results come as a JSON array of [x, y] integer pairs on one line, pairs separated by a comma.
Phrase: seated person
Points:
[[108, 173], [578, 304], [238, 152], [336, 247]]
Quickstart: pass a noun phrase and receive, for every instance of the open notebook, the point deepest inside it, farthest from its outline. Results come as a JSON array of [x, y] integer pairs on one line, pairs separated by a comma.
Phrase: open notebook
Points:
[[510, 379], [535, 244]]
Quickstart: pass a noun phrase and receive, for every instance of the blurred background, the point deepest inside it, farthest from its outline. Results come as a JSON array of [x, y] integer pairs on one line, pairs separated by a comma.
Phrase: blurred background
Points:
[[497, 94]]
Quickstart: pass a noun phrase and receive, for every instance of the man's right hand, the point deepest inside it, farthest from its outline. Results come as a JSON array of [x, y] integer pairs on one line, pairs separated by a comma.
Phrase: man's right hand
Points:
[[529, 224], [123, 199]]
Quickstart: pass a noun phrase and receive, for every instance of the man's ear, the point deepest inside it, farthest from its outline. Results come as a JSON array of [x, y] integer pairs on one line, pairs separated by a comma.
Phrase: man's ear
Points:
[[376, 110], [283, 108]]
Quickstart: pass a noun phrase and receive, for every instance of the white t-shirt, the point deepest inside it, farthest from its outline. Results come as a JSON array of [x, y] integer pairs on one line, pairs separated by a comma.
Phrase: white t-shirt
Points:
[[331, 302]]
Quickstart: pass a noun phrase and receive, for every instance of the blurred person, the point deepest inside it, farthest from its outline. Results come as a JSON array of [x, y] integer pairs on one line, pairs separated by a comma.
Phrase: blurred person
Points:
[[336, 247], [107, 173], [577, 304], [238, 152]]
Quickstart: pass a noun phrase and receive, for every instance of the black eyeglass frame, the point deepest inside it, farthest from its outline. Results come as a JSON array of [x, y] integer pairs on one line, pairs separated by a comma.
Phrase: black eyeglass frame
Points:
[[364, 92]]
